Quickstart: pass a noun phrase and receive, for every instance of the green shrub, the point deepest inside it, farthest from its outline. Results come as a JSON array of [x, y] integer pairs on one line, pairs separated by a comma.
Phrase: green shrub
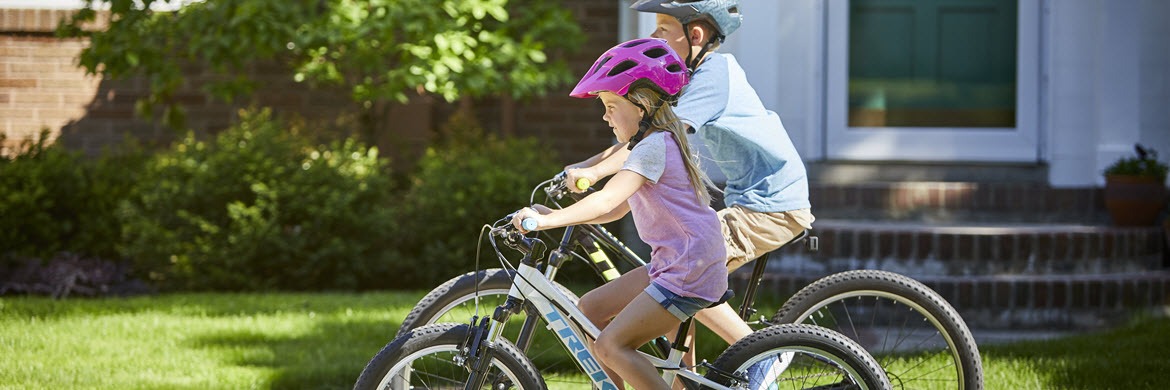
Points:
[[261, 208], [462, 183], [55, 200]]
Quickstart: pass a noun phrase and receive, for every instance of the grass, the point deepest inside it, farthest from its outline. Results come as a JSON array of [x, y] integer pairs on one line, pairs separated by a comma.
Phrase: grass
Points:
[[322, 341]]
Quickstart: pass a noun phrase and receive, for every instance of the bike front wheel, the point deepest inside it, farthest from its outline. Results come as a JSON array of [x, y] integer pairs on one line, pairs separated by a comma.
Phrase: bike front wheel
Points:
[[917, 337], [794, 356], [430, 358], [464, 296]]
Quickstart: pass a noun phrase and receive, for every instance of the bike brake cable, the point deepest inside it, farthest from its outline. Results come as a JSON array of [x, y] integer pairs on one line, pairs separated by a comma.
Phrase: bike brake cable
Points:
[[478, 245]]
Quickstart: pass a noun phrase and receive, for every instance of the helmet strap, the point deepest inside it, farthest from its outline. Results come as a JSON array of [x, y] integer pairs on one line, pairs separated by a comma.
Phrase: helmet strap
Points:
[[694, 61], [643, 125]]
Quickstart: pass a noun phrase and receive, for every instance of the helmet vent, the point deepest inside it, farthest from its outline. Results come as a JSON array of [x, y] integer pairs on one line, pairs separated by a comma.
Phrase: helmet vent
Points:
[[621, 68], [674, 68], [655, 52], [634, 43], [598, 65]]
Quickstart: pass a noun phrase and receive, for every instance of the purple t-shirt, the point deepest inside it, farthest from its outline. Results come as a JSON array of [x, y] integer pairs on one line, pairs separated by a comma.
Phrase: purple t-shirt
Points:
[[687, 253]]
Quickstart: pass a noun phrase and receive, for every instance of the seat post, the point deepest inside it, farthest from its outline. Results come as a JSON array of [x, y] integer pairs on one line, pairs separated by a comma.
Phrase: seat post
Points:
[[745, 309], [749, 297]]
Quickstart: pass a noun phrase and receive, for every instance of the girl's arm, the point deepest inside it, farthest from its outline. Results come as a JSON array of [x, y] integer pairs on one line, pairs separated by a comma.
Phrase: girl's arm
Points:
[[608, 162], [589, 162], [615, 214], [605, 205]]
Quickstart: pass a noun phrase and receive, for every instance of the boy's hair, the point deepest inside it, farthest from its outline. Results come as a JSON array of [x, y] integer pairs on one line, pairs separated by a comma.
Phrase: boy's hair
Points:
[[665, 119]]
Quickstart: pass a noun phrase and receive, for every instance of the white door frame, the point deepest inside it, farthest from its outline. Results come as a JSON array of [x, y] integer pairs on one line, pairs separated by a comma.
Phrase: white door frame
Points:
[[1019, 144]]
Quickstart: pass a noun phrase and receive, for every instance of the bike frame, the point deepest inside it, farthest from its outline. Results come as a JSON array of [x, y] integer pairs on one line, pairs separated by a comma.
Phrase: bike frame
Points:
[[573, 329]]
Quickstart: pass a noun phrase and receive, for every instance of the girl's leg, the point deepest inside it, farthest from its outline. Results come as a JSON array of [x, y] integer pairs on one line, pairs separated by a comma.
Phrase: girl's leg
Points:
[[602, 304], [641, 321]]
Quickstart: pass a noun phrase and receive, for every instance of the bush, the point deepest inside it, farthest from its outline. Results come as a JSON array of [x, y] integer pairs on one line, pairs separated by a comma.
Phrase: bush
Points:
[[465, 181], [55, 200], [261, 208]]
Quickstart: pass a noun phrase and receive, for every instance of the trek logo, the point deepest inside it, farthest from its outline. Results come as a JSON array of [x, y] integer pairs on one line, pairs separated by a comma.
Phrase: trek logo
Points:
[[577, 348]]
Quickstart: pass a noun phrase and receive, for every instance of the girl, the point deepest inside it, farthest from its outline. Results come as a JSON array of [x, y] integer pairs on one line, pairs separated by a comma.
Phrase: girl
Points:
[[661, 183]]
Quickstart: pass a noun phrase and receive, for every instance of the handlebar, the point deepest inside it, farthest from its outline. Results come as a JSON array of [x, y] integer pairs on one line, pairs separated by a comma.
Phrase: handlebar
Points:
[[557, 189], [529, 224]]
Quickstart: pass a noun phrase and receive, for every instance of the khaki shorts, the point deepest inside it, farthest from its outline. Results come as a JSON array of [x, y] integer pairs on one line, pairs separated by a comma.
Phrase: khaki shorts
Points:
[[750, 234]]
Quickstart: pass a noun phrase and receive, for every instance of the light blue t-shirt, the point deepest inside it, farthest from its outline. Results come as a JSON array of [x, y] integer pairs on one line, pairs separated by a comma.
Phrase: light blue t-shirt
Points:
[[746, 141]]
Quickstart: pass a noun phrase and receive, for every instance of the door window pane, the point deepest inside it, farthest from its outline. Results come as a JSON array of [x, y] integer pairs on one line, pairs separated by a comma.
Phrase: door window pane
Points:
[[932, 63]]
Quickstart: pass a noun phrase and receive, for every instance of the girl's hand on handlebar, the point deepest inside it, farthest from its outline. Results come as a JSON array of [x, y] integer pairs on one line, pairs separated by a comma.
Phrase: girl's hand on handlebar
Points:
[[526, 213], [573, 176]]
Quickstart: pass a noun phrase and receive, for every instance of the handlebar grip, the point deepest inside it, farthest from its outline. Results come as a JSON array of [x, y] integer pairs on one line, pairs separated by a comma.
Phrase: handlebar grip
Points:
[[529, 224], [582, 184]]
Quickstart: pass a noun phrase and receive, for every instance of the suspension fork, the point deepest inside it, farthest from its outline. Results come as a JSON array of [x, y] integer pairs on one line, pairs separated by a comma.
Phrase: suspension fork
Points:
[[480, 343]]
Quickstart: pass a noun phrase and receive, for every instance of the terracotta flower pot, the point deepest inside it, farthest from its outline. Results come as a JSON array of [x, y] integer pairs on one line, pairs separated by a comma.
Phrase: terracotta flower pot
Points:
[[1134, 200]]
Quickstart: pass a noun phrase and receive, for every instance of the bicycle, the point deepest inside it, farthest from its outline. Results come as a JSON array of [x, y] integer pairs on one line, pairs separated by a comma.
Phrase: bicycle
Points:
[[474, 355], [916, 336]]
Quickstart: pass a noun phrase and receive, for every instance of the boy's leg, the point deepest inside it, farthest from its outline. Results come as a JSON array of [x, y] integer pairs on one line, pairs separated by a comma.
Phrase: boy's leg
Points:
[[749, 234], [724, 322], [641, 321]]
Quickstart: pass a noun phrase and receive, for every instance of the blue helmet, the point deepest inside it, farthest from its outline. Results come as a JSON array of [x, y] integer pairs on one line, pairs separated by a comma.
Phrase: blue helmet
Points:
[[723, 14]]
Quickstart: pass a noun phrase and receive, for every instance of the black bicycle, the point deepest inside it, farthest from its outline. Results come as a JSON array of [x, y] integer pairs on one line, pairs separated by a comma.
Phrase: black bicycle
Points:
[[915, 335]]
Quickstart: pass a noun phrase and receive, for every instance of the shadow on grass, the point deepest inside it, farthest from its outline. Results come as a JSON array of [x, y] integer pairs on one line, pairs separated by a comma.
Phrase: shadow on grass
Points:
[[330, 356], [1131, 357]]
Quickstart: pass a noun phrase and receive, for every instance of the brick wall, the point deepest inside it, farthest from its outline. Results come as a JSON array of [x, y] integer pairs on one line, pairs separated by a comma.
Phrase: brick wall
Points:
[[42, 87]]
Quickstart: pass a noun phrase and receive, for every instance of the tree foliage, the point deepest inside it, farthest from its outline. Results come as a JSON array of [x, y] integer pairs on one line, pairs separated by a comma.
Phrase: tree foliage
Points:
[[378, 49]]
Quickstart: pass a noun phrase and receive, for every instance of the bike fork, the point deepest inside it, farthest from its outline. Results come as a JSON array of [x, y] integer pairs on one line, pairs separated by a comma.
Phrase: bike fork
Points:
[[479, 346]]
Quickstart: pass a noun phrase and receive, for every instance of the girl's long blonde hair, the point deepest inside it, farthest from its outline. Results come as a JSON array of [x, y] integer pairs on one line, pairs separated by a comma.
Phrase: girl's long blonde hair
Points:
[[665, 119]]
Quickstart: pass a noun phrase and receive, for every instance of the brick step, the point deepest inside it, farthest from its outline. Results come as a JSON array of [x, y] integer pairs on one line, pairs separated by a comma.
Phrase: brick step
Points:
[[919, 249], [943, 201], [1027, 301]]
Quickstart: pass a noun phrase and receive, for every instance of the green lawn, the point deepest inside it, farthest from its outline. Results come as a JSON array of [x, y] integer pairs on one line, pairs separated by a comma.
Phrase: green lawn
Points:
[[310, 341]]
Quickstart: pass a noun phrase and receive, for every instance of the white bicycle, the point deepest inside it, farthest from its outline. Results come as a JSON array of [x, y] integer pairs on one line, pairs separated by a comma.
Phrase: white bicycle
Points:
[[475, 355]]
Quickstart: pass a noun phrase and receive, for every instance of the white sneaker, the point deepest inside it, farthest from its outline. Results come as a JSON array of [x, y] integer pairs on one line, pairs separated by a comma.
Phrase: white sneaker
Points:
[[763, 375]]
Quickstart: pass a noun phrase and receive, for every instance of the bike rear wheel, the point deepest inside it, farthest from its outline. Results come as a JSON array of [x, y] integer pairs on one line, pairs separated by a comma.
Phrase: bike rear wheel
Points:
[[427, 358], [796, 356], [917, 337]]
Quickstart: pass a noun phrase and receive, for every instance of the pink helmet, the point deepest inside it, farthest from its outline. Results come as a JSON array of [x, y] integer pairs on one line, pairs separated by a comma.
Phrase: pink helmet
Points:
[[623, 65]]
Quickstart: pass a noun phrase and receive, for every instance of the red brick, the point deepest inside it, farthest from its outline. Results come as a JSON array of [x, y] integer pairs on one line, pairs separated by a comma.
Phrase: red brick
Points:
[[17, 83]]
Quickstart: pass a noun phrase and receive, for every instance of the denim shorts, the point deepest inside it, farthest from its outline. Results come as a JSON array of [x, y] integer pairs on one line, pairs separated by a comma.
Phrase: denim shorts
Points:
[[682, 307]]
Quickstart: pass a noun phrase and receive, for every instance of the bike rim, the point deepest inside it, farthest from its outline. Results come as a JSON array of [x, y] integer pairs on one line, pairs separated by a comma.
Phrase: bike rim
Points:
[[403, 375], [485, 306], [806, 367], [855, 302]]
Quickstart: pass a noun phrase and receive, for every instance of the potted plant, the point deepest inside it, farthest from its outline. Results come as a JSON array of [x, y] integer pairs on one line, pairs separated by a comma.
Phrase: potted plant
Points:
[[1135, 188]]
